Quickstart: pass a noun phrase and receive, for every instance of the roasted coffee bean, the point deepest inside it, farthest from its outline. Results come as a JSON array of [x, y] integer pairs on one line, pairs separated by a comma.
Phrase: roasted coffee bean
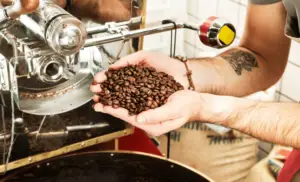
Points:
[[163, 92], [108, 74], [149, 103], [109, 102], [137, 88], [106, 92], [120, 82], [126, 83], [131, 79], [115, 77], [115, 106], [133, 105], [116, 102], [117, 87]]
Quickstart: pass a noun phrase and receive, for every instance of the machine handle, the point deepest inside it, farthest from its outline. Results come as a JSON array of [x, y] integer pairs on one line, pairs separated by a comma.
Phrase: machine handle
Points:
[[213, 32]]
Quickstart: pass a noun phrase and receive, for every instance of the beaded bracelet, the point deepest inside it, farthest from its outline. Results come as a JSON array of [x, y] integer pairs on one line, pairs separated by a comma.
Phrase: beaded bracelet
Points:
[[188, 72]]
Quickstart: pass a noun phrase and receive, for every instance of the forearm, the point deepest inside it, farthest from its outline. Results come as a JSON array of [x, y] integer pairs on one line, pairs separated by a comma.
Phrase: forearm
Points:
[[273, 122], [260, 61], [237, 72], [101, 10]]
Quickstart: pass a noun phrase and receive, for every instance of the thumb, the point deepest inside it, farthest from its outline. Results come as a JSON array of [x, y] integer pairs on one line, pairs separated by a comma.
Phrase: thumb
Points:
[[132, 59]]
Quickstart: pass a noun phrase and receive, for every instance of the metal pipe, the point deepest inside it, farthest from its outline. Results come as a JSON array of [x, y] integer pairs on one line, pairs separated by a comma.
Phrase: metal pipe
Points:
[[132, 34], [60, 133], [86, 127], [32, 25], [104, 28]]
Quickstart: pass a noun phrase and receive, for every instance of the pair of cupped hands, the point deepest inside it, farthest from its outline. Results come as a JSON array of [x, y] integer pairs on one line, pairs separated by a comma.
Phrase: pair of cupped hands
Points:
[[182, 106]]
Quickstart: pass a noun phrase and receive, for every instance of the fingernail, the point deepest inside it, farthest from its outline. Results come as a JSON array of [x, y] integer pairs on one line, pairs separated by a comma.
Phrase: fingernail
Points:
[[141, 119]]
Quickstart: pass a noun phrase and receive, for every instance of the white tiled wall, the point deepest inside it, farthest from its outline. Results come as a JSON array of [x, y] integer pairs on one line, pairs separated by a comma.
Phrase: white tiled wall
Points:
[[158, 10], [289, 87], [198, 10]]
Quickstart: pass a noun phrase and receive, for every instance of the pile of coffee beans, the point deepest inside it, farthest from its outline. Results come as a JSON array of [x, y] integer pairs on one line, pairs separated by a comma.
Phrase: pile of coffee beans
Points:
[[137, 88]]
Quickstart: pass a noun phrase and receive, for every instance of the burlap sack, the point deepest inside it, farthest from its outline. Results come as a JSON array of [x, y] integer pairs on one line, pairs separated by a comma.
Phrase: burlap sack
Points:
[[223, 157]]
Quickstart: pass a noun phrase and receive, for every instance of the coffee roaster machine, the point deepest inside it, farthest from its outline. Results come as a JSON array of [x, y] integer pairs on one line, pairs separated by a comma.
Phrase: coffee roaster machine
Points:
[[47, 62]]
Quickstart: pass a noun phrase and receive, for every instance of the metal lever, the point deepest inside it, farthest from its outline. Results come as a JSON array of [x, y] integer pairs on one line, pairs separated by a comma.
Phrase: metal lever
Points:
[[213, 32]]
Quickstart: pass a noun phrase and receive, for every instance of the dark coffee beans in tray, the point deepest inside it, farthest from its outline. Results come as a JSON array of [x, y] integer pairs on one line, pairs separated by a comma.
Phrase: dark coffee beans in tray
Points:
[[137, 88]]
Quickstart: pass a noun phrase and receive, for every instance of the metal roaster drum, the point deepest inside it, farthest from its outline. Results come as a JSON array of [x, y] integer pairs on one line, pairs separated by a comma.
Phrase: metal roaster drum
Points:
[[107, 167]]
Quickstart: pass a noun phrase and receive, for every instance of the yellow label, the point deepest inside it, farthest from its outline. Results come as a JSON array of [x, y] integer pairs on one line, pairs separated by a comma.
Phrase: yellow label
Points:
[[226, 35]]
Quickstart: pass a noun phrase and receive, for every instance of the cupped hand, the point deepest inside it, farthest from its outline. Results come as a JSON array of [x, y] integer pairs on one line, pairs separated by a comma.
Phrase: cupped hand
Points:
[[160, 62], [181, 107]]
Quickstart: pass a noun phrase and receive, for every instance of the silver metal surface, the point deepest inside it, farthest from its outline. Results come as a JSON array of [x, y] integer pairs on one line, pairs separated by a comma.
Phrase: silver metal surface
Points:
[[58, 100], [63, 133], [107, 26], [32, 25], [64, 33], [132, 34], [50, 69], [4, 79]]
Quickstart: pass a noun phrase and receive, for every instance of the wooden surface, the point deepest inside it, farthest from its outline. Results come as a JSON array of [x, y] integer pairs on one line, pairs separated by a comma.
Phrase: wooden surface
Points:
[[143, 25]]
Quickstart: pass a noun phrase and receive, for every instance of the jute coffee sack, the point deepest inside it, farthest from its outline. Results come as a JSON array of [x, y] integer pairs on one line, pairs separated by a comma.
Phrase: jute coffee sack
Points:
[[137, 88]]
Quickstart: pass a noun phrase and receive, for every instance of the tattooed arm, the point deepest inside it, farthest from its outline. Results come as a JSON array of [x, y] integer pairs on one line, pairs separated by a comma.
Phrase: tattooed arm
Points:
[[272, 122], [256, 64]]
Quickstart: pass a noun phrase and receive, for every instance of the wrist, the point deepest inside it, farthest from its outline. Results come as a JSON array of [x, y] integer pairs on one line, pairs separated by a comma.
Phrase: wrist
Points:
[[216, 109], [206, 75], [180, 73], [231, 112]]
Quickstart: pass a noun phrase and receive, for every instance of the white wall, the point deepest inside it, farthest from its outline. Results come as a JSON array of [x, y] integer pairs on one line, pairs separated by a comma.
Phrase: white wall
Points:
[[198, 10], [288, 89], [157, 10]]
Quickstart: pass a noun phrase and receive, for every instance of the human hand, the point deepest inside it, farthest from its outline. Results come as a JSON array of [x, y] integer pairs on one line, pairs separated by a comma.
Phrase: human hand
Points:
[[181, 107], [160, 62], [100, 11], [19, 7]]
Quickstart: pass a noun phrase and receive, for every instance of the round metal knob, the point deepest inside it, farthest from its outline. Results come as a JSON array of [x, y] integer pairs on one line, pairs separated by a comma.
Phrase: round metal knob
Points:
[[217, 32], [66, 35], [69, 38]]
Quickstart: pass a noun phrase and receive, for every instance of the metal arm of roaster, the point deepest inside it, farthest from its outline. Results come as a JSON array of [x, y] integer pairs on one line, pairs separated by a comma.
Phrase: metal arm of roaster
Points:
[[214, 32]]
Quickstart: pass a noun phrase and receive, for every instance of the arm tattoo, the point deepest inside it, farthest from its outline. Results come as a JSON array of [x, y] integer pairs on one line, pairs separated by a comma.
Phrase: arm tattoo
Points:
[[240, 60]]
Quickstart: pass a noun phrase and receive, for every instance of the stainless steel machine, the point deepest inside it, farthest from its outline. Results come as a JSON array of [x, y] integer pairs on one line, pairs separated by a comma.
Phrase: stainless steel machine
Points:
[[48, 58]]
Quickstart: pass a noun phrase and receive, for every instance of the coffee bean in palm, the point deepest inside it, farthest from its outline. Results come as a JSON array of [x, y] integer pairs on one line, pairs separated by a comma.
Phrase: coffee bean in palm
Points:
[[137, 88]]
